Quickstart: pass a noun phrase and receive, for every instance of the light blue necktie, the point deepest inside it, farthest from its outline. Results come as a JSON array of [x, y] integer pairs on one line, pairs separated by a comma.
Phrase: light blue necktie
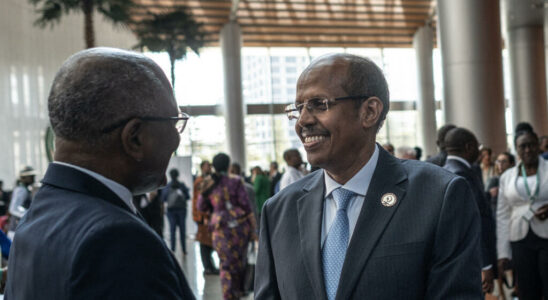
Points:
[[334, 249]]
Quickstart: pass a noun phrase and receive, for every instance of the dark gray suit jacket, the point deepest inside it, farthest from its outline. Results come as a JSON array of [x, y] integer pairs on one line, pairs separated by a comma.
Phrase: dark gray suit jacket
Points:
[[426, 246], [488, 240], [80, 241]]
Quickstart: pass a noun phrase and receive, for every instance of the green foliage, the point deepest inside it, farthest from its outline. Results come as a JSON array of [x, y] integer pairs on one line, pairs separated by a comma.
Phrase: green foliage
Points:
[[51, 11], [174, 32]]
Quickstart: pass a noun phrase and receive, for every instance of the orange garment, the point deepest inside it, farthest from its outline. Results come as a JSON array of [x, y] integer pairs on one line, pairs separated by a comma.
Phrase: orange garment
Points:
[[203, 236]]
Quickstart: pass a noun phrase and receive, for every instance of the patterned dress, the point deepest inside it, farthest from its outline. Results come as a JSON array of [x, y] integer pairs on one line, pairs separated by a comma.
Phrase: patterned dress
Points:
[[232, 227]]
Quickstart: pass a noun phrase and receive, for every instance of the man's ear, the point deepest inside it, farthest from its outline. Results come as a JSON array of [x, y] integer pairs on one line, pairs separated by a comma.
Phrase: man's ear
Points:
[[132, 138], [370, 112]]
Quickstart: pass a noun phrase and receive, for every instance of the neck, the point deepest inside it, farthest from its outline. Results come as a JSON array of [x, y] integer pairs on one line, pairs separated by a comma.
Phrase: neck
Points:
[[531, 169], [346, 170], [104, 162]]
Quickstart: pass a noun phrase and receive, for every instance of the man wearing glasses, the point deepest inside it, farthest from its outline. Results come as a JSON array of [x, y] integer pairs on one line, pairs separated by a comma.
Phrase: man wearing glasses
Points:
[[116, 124], [369, 226]]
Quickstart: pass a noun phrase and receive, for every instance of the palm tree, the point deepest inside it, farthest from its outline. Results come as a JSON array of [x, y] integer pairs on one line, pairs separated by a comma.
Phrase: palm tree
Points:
[[51, 11], [173, 32]]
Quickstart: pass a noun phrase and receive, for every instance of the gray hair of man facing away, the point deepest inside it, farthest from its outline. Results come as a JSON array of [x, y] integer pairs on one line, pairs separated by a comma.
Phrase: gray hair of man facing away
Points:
[[363, 77], [99, 87]]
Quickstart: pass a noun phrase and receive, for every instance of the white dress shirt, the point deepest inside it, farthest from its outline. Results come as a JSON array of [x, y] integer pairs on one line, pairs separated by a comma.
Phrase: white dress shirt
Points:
[[290, 175], [120, 190], [462, 160], [359, 184]]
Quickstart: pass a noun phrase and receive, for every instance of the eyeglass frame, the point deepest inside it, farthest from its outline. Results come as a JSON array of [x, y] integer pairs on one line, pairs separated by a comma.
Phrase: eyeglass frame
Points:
[[295, 108], [180, 117]]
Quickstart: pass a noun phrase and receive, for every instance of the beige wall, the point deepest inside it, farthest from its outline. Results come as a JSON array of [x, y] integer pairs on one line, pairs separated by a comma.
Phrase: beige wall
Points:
[[29, 58]]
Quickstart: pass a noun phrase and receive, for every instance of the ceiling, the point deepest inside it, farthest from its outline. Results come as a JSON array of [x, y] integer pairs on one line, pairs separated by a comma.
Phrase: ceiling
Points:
[[307, 23]]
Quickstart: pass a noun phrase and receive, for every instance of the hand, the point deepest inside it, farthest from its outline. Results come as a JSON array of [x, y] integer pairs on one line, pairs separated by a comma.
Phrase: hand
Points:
[[542, 212], [503, 265], [487, 278]]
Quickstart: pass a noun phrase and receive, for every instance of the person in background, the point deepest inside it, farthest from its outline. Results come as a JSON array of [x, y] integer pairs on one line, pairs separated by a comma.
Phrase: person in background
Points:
[[274, 176], [4, 199], [544, 146], [486, 164], [439, 159], [203, 236], [418, 152], [522, 212], [176, 195], [406, 152], [235, 171], [21, 198], [462, 151], [294, 163], [504, 161], [261, 186], [389, 148], [150, 206], [232, 223]]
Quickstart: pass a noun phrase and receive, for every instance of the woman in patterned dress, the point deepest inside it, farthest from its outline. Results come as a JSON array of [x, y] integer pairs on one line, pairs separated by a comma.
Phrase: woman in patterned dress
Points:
[[231, 224]]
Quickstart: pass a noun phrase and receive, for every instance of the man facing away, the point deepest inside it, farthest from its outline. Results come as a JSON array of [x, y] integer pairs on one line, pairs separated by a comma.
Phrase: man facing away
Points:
[[463, 150], [116, 124], [294, 163], [439, 159], [367, 226]]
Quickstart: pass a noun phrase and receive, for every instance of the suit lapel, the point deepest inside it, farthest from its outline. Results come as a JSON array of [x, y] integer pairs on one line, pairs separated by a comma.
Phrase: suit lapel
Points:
[[389, 177], [310, 212], [72, 179]]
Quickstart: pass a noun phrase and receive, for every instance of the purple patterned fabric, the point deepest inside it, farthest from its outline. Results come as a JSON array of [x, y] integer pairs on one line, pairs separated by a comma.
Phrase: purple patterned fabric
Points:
[[231, 229]]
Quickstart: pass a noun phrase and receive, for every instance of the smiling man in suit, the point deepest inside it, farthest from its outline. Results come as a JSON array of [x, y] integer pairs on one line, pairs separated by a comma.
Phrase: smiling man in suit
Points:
[[367, 226], [116, 124]]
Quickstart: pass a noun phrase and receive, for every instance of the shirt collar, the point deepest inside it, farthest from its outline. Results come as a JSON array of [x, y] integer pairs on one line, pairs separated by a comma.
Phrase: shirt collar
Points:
[[462, 160], [359, 183], [120, 190]]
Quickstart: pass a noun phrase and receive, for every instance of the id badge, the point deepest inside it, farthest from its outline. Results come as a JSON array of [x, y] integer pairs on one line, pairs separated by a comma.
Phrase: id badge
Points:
[[529, 215]]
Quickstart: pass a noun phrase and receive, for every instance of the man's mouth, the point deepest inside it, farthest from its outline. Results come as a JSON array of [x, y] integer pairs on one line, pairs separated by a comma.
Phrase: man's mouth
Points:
[[313, 140]]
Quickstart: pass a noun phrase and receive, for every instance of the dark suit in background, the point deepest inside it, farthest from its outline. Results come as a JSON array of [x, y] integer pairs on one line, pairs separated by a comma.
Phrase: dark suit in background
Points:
[[426, 246], [488, 242], [100, 249]]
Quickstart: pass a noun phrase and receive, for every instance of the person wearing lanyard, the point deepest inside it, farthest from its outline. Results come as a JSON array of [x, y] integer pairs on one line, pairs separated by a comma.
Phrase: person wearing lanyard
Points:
[[522, 210]]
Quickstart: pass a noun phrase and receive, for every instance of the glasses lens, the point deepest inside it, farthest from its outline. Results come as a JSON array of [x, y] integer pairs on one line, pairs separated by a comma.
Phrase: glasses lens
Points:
[[316, 104], [292, 112]]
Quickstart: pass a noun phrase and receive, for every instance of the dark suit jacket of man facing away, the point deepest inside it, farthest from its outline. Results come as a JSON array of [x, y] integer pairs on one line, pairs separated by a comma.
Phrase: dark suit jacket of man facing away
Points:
[[99, 247], [426, 246], [488, 241]]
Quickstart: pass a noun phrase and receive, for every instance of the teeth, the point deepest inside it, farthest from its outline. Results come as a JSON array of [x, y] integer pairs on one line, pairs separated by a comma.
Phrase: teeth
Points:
[[315, 138]]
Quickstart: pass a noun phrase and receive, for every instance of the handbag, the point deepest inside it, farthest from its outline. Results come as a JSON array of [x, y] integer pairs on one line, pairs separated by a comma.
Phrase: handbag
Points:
[[248, 281]]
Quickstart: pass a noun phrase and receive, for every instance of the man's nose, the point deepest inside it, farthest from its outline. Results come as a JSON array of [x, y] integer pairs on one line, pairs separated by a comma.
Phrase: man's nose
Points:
[[306, 117]]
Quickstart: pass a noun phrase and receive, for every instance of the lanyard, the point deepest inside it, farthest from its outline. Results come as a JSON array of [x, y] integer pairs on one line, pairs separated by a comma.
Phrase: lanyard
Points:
[[527, 189]]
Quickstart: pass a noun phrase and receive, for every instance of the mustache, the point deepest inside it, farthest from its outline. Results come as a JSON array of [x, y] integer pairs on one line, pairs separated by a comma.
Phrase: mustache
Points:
[[313, 131]]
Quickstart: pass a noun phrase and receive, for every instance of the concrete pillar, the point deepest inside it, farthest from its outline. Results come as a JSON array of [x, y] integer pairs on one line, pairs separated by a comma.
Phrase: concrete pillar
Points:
[[426, 105], [470, 40], [231, 45], [528, 74]]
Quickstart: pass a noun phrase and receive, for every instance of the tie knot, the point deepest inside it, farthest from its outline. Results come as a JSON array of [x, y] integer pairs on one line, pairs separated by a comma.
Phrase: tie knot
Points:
[[342, 197]]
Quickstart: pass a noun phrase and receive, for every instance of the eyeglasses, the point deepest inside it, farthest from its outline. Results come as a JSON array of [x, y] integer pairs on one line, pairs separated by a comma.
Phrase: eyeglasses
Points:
[[180, 122], [315, 105]]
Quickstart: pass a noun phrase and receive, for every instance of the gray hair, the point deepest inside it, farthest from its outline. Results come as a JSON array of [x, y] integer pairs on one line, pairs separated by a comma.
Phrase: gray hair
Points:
[[363, 77], [99, 87]]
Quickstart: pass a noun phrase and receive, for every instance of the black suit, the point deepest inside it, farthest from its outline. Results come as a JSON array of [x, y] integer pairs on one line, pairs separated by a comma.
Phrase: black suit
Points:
[[438, 159], [79, 240], [488, 242], [425, 246]]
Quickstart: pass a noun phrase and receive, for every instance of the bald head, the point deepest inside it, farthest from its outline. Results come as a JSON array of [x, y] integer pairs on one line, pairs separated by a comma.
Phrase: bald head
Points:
[[98, 87], [463, 143], [361, 77]]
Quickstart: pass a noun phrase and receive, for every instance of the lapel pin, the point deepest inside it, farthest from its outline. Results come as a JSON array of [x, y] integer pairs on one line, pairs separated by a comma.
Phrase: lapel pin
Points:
[[388, 199]]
